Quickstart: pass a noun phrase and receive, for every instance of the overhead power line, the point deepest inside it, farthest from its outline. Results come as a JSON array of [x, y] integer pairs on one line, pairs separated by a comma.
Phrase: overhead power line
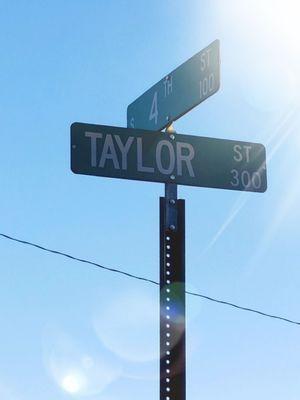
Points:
[[118, 271]]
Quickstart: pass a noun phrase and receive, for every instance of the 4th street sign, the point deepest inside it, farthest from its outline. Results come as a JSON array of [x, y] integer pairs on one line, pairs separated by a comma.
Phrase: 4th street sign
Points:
[[177, 93], [154, 156]]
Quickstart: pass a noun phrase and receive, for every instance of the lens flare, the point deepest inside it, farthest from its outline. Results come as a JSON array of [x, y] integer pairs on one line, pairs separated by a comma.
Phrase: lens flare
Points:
[[73, 383], [128, 325], [78, 370]]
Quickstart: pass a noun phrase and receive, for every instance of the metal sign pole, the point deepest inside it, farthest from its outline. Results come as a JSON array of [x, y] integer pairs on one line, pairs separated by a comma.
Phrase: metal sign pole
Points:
[[172, 295]]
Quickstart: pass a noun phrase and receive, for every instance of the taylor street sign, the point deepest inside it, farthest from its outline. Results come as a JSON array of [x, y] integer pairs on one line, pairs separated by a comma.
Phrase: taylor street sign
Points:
[[154, 156], [178, 92]]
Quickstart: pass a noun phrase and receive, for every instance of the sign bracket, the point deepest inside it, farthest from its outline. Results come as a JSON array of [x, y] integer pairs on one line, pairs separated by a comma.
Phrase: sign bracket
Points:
[[171, 193]]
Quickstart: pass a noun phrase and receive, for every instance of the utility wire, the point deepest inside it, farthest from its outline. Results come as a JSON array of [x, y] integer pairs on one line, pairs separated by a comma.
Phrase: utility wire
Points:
[[227, 303], [118, 271]]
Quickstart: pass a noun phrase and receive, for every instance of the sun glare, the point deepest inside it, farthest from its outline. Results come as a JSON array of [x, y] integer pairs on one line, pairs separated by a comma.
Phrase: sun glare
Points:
[[266, 65], [260, 40], [72, 383], [268, 20]]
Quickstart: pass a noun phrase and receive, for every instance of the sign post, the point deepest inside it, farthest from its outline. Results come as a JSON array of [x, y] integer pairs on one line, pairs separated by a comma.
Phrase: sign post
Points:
[[142, 152], [172, 294], [177, 93]]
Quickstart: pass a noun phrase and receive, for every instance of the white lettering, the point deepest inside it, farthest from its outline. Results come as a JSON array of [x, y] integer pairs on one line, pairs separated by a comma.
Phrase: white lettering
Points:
[[124, 149], [211, 82], [238, 154], [205, 60], [94, 136], [208, 57], [109, 153], [159, 148], [154, 109], [140, 166], [185, 158], [235, 179], [256, 180], [207, 85], [246, 179], [247, 149], [168, 83]]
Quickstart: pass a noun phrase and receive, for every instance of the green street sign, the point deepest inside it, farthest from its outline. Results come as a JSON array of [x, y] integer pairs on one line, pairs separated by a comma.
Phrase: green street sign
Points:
[[137, 154], [178, 92]]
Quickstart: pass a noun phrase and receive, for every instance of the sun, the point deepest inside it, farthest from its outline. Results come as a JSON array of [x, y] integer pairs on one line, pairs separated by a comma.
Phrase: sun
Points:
[[72, 383], [275, 22]]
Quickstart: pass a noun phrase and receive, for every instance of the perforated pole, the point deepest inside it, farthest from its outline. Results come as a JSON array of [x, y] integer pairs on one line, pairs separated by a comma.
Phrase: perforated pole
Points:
[[172, 296]]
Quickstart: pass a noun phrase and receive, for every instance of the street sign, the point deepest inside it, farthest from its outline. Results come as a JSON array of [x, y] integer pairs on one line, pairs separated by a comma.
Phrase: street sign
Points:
[[178, 92], [143, 152], [158, 157]]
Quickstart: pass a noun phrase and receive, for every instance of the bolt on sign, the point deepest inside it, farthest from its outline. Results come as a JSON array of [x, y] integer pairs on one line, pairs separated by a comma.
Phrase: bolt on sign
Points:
[[178, 92], [138, 154]]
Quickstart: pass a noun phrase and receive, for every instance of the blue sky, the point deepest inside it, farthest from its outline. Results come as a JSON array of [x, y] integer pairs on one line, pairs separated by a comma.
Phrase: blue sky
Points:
[[73, 331]]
